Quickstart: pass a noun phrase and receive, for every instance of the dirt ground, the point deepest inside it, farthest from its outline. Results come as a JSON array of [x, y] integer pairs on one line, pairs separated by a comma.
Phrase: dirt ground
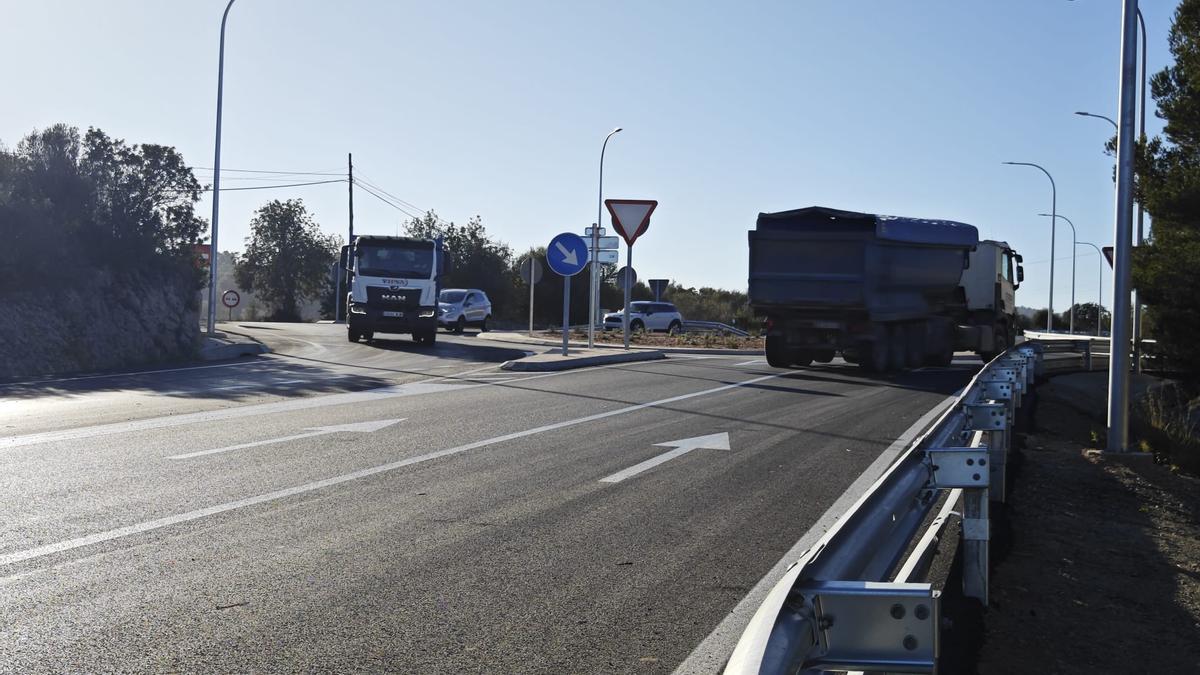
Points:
[[1102, 573]]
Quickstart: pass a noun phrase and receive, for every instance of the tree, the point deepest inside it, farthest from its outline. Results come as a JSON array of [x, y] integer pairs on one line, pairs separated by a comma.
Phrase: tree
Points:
[[89, 203], [1165, 270], [287, 258], [479, 260], [1086, 315]]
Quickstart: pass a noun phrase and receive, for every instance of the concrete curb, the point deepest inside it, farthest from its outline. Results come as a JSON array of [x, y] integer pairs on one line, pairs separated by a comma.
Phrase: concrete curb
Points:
[[568, 363], [221, 348], [526, 340]]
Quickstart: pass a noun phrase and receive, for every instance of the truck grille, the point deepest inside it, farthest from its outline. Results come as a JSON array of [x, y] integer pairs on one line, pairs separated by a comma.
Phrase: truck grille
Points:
[[385, 298]]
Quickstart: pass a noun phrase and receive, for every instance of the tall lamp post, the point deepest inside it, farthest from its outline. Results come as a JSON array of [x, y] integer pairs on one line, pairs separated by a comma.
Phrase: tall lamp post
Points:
[[216, 190], [1137, 306], [1053, 228], [1100, 289], [594, 300], [1074, 243]]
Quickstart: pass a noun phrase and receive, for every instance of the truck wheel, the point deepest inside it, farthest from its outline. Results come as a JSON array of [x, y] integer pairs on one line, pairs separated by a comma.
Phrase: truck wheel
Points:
[[777, 352], [876, 354], [426, 338], [353, 335], [368, 335], [802, 357], [822, 355]]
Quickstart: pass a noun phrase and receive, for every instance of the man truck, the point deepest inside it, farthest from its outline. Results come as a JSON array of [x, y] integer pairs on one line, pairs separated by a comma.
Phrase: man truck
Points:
[[885, 292], [393, 286]]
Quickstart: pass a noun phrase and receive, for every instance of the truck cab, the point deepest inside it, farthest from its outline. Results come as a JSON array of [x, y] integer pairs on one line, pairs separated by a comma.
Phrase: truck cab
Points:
[[393, 287], [989, 283]]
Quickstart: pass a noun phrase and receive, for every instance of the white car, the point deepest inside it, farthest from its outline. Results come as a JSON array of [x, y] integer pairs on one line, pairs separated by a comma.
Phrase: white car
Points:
[[462, 307], [647, 316]]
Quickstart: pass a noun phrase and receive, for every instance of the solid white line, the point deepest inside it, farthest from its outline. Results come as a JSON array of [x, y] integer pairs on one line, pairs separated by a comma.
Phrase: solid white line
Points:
[[751, 363], [710, 655], [648, 464], [48, 549], [140, 372]]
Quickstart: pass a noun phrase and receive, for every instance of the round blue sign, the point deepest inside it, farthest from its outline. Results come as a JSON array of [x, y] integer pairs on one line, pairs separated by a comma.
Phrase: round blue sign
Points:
[[567, 254]]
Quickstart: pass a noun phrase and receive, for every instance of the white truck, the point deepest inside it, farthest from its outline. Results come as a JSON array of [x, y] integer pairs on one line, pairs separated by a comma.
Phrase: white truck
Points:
[[393, 286]]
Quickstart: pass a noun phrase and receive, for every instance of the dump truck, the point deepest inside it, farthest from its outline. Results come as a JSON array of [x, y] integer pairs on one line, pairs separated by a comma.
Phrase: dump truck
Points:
[[393, 286], [884, 292]]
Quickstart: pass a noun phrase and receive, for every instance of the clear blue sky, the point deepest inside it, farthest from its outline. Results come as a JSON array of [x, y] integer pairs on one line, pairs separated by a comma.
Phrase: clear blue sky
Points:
[[499, 109]]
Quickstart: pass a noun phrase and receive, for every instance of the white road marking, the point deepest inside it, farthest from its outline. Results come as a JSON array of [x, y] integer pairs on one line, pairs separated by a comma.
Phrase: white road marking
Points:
[[710, 655], [359, 427], [138, 528], [756, 362], [682, 447], [140, 372]]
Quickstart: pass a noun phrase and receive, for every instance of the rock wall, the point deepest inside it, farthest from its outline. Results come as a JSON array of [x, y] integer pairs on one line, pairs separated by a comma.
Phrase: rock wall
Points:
[[99, 321]]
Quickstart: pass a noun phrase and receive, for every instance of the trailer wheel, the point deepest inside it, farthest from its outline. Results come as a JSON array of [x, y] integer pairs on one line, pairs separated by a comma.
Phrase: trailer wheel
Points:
[[802, 357], [876, 354], [914, 334], [777, 352]]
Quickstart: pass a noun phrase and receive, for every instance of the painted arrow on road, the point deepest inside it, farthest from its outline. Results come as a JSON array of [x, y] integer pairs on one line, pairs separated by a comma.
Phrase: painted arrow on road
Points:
[[682, 447], [358, 427]]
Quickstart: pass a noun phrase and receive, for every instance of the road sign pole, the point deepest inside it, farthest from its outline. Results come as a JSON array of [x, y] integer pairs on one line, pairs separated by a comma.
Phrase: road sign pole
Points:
[[628, 285], [566, 312], [594, 277], [531, 296]]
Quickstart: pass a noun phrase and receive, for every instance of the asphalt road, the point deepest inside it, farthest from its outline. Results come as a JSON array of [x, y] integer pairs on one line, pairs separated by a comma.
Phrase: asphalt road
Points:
[[389, 507]]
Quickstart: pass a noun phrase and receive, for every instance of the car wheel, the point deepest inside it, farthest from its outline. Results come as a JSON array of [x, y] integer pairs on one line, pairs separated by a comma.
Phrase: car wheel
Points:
[[636, 326], [483, 324], [674, 328], [460, 325]]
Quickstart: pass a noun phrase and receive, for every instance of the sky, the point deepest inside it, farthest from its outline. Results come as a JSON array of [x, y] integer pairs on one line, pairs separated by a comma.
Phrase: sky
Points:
[[499, 109]]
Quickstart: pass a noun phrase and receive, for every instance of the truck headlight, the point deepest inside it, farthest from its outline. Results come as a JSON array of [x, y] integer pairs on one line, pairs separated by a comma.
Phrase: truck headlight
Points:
[[425, 313], [355, 309]]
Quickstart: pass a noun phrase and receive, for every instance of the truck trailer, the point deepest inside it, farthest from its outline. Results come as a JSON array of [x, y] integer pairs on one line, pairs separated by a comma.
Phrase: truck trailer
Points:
[[885, 292], [393, 286]]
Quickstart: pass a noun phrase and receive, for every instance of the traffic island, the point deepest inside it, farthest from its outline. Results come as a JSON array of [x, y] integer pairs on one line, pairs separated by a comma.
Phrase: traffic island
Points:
[[578, 358]]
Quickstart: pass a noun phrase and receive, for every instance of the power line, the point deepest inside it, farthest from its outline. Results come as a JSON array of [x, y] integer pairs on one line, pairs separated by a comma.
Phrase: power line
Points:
[[284, 173], [369, 181], [385, 200], [273, 187]]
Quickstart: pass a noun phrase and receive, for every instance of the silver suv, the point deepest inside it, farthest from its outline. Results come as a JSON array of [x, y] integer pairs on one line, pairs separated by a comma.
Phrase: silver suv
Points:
[[647, 316], [462, 307]]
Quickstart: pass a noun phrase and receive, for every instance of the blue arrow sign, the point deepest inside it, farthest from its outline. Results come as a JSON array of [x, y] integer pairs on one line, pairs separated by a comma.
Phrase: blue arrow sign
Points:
[[567, 254]]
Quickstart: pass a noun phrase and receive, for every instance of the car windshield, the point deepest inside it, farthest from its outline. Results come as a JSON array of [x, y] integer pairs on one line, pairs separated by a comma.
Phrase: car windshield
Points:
[[411, 261], [452, 296]]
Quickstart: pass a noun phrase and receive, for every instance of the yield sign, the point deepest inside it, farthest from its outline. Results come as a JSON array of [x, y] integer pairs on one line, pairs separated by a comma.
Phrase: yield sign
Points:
[[1108, 254], [630, 217]]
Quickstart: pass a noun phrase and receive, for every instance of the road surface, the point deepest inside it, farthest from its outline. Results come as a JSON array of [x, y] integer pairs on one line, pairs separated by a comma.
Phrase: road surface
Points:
[[336, 506]]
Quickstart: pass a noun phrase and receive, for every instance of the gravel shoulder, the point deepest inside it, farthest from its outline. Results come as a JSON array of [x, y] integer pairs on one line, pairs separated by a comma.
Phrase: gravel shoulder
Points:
[[1103, 570]]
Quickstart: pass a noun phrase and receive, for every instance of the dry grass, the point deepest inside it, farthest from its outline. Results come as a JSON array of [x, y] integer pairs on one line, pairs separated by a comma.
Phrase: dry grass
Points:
[[1165, 423]]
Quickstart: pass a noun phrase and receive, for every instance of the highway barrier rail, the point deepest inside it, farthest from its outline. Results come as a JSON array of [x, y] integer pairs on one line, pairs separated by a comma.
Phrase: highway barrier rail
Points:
[[712, 327], [858, 599]]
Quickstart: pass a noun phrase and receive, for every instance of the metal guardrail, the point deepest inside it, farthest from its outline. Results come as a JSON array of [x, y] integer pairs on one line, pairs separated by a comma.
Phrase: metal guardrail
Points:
[[712, 327], [854, 600]]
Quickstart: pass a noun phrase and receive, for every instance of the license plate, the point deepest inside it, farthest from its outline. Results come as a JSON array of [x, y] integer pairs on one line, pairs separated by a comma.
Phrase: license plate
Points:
[[399, 315]]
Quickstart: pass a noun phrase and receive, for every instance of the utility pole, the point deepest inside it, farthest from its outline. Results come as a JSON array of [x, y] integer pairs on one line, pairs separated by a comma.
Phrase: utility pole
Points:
[[216, 189], [1118, 360], [337, 293]]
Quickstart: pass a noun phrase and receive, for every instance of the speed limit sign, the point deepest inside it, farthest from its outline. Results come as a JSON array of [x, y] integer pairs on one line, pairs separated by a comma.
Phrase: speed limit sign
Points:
[[230, 299]]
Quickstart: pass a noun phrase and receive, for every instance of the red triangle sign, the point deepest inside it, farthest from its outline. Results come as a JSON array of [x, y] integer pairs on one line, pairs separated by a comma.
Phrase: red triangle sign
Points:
[[1108, 253], [630, 217]]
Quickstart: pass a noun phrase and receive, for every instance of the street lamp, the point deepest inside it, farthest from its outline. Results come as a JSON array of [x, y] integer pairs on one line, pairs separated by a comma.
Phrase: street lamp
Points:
[[1099, 117], [1100, 290], [216, 189], [594, 300], [1053, 228], [1074, 242]]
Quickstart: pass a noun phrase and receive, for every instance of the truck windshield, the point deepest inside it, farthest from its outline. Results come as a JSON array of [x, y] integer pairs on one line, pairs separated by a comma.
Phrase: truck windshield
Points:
[[412, 261]]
